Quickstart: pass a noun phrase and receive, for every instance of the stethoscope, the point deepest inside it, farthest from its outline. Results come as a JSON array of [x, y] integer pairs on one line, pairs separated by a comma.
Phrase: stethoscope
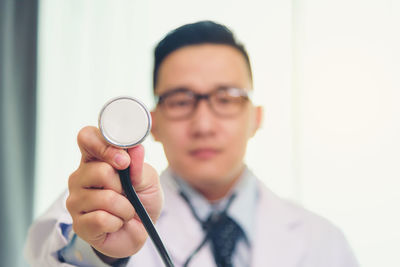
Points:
[[125, 122]]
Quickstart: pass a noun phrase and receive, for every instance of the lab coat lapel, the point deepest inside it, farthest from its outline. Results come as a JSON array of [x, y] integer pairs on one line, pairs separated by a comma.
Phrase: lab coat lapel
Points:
[[277, 243]]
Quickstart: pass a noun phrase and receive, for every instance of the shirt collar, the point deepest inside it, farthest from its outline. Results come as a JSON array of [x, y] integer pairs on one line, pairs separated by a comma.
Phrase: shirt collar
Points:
[[242, 209]]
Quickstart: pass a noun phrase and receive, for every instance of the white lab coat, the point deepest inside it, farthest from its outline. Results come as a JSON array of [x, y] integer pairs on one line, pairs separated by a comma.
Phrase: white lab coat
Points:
[[285, 236]]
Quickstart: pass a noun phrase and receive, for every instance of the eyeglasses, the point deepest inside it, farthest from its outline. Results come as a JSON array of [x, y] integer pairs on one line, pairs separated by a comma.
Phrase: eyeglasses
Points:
[[181, 103]]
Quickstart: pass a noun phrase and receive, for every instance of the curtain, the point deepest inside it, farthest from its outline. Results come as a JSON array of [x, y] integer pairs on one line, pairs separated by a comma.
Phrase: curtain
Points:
[[18, 42]]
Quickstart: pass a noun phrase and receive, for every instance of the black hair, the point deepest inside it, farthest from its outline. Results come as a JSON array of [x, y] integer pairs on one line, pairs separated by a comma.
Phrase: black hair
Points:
[[193, 34]]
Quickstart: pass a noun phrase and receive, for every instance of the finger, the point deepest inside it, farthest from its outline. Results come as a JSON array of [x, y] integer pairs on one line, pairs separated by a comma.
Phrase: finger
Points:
[[150, 193], [96, 175], [132, 236], [94, 147], [106, 200], [96, 225], [136, 155]]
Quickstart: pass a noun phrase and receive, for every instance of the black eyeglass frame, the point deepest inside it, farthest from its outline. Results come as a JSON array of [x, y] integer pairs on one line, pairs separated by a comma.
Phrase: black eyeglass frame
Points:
[[245, 94]]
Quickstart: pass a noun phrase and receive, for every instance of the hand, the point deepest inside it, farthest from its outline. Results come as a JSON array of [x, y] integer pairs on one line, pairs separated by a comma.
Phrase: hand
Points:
[[101, 214]]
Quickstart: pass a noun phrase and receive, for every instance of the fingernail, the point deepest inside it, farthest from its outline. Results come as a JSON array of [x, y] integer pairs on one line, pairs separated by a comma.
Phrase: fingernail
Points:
[[120, 159]]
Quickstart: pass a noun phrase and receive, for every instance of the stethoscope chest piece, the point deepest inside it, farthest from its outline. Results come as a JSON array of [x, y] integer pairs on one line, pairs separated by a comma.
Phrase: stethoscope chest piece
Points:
[[124, 121]]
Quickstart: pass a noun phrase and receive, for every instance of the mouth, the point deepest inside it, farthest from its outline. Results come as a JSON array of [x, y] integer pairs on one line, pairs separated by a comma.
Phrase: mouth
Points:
[[204, 153]]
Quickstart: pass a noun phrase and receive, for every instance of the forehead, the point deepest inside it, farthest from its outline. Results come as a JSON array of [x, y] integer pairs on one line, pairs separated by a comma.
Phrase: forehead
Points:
[[202, 68]]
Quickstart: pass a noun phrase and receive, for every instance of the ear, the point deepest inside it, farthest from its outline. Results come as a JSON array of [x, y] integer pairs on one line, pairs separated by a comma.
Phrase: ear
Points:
[[257, 119], [154, 130]]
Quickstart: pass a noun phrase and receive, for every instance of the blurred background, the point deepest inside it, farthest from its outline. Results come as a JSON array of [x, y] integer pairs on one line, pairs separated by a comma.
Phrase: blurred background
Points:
[[327, 73]]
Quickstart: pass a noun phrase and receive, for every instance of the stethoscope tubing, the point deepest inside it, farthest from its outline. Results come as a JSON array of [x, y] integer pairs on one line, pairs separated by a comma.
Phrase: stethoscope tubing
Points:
[[144, 216]]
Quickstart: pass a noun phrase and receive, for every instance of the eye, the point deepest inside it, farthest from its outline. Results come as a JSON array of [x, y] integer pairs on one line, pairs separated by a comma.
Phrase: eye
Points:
[[179, 100], [225, 99], [178, 103]]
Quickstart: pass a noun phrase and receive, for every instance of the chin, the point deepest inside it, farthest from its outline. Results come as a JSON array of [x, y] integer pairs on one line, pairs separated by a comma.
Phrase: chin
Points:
[[210, 172]]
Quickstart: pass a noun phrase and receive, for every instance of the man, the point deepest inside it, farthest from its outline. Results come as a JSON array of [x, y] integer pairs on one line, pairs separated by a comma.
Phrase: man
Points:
[[216, 212]]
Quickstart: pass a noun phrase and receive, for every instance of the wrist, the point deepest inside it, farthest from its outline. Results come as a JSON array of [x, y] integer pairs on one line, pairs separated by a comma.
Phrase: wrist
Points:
[[116, 262]]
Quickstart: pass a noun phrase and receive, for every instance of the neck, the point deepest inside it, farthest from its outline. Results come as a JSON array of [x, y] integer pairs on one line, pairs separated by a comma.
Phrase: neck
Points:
[[216, 191]]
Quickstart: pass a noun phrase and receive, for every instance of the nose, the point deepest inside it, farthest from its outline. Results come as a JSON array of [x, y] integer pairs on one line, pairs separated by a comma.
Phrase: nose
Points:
[[203, 121]]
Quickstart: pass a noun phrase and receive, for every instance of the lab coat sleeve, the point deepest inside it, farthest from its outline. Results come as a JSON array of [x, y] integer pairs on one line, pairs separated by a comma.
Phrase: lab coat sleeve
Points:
[[80, 253], [45, 237]]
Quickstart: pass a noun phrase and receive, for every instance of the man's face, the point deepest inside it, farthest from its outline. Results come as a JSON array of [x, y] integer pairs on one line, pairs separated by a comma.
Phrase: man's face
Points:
[[204, 149]]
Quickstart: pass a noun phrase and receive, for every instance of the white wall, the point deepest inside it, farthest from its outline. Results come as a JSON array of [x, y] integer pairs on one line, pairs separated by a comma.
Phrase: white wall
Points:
[[347, 120], [326, 72], [91, 51]]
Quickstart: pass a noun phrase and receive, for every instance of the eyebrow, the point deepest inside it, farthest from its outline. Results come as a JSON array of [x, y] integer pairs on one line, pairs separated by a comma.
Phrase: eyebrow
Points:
[[185, 89], [174, 90]]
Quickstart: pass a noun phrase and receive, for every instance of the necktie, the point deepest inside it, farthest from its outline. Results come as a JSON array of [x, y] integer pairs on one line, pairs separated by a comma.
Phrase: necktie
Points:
[[223, 232]]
